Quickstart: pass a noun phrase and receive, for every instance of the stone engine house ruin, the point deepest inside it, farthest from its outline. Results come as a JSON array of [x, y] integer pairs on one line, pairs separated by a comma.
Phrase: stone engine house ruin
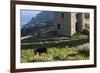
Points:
[[68, 23]]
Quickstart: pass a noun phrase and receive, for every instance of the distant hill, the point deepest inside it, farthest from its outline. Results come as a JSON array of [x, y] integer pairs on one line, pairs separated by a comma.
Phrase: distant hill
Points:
[[43, 20]]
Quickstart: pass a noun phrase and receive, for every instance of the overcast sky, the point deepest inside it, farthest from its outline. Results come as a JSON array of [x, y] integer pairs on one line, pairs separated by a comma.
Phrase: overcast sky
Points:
[[26, 15]]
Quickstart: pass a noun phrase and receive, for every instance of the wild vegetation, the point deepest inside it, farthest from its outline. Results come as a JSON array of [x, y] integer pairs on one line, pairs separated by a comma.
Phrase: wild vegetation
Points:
[[56, 54], [58, 49]]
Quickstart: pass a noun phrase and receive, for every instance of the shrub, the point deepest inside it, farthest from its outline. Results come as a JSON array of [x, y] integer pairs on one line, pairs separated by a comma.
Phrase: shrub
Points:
[[86, 31], [84, 50]]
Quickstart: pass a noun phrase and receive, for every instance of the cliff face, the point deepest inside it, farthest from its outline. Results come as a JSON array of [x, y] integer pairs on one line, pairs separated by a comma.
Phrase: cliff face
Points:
[[42, 21], [42, 17]]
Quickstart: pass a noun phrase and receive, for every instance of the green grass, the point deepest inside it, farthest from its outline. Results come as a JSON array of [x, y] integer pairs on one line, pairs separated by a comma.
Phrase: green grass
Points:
[[27, 55], [59, 48]]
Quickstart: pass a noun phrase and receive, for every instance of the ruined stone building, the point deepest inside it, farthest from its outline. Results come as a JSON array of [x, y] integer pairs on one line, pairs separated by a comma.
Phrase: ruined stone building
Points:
[[68, 23]]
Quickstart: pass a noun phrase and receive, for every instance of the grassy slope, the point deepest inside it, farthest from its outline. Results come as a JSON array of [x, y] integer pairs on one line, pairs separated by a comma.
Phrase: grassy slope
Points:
[[57, 51], [27, 55]]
